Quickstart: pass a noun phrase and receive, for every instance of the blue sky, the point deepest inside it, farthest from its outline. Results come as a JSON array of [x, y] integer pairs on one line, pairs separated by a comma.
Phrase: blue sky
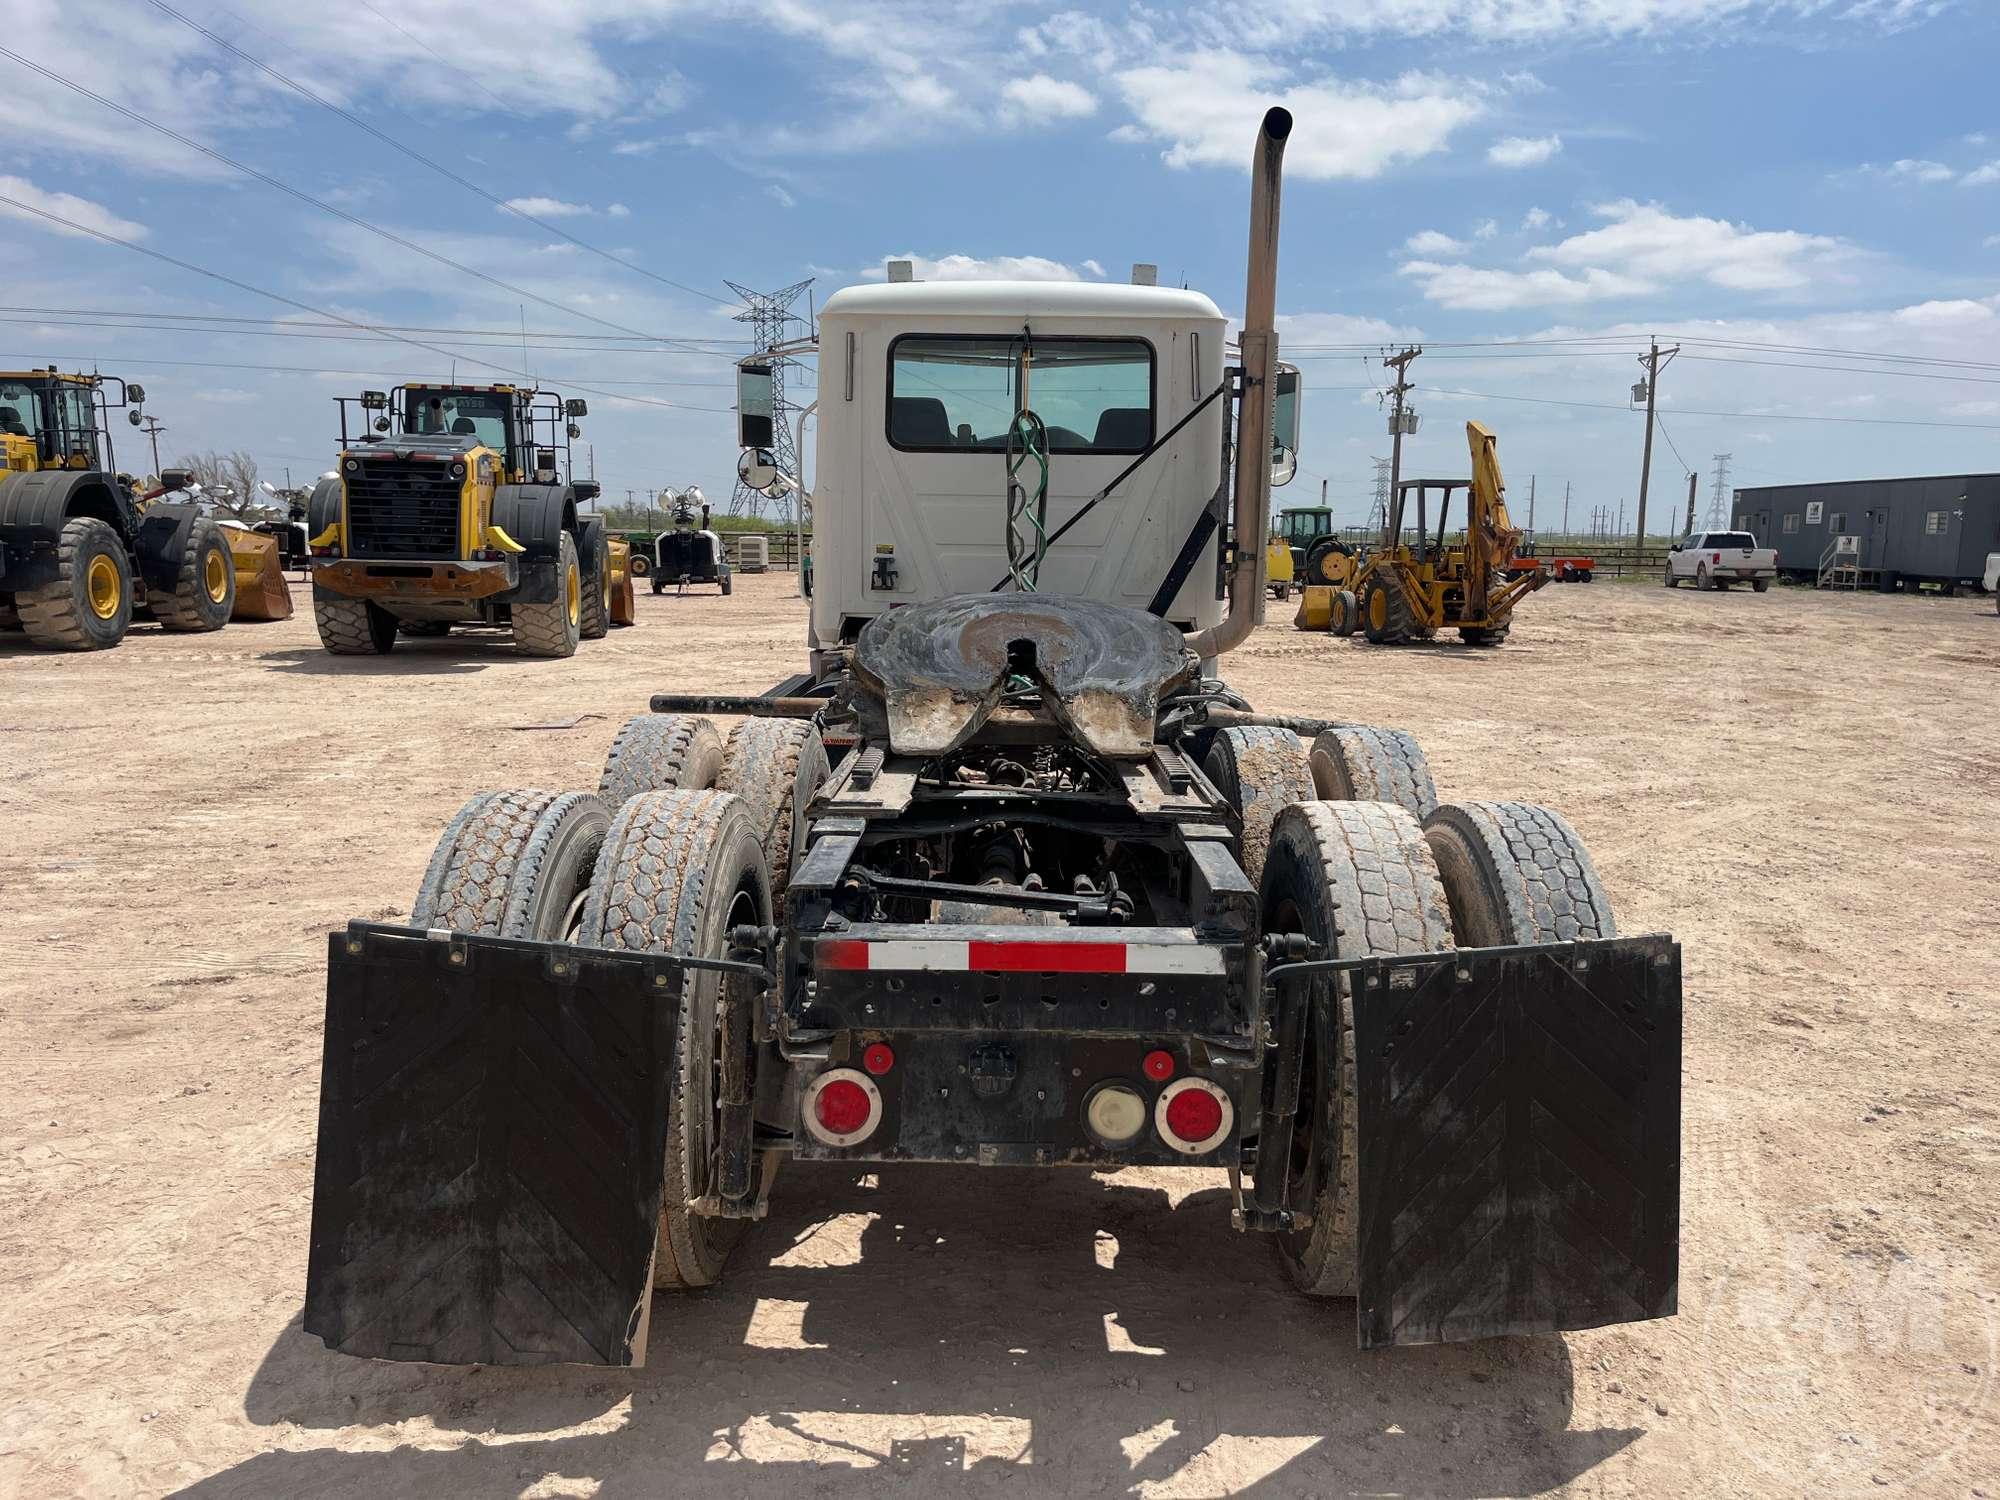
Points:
[[1759, 179]]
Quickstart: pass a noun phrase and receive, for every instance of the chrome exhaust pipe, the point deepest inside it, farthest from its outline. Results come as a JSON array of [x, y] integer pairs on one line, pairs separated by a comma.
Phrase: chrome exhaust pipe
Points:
[[1258, 343]]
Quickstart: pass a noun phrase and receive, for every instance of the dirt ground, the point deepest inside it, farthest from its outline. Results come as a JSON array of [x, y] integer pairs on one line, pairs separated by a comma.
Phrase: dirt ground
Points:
[[1804, 788]]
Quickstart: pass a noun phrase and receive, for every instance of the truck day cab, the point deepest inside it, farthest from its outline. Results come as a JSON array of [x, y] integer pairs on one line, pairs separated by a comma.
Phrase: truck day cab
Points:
[[1716, 559]]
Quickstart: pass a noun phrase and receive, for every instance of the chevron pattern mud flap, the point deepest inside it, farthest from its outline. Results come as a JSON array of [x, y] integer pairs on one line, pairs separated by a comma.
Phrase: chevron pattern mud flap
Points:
[[492, 1141], [1519, 1124]]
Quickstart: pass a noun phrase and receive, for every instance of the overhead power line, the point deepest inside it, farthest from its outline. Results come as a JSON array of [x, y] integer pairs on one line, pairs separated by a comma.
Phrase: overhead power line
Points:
[[320, 312], [417, 156], [319, 203]]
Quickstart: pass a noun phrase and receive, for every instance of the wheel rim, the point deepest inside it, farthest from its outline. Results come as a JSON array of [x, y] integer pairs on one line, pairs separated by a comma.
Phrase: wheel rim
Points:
[[103, 587], [215, 576], [574, 595], [1378, 608]]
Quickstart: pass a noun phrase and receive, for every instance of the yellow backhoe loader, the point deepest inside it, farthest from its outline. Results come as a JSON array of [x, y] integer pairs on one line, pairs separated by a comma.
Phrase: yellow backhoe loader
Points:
[[1409, 588]]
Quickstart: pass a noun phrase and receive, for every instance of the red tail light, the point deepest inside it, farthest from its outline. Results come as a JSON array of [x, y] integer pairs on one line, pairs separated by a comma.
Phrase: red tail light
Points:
[[1159, 1065], [1715, 557], [879, 1059], [842, 1107], [1193, 1116]]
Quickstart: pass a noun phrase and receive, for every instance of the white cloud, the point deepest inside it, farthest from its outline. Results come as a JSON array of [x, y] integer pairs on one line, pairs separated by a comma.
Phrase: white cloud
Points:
[[983, 268], [1644, 240], [1523, 151], [1485, 229], [1980, 176], [1204, 109], [635, 148], [1127, 134], [780, 196], [1991, 242], [549, 208], [1920, 171], [1536, 218], [1484, 290], [618, 211], [1953, 311], [1040, 99], [1434, 242], [1272, 22], [1093, 268], [81, 212]]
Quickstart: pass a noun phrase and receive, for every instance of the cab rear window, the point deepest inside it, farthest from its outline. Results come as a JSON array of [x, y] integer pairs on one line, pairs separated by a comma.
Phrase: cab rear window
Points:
[[959, 394]]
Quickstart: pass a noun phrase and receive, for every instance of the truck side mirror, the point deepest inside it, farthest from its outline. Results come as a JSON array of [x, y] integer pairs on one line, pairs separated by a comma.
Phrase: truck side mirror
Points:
[[1284, 425], [574, 407], [754, 410], [136, 394], [374, 400]]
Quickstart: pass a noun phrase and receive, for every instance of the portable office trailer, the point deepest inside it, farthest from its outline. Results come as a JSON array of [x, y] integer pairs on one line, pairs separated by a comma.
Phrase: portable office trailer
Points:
[[1911, 531]]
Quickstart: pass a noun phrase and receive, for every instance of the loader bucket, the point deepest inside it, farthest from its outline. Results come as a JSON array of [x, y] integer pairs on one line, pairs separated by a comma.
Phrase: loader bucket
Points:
[[1519, 1139], [1315, 608], [492, 1147], [261, 590]]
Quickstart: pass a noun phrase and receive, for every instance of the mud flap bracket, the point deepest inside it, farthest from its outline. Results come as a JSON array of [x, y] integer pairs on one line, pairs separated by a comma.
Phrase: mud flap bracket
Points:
[[1519, 1139]]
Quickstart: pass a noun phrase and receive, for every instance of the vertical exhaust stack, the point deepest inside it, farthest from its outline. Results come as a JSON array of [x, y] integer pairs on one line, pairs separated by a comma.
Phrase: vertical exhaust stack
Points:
[[1259, 344]]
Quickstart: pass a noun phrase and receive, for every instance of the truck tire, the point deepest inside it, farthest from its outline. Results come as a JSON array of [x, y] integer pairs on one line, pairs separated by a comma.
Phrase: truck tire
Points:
[[514, 864], [1359, 880], [1385, 613], [1668, 577], [1260, 771], [352, 627], [87, 606], [1344, 613], [658, 752], [1702, 581], [1760, 585], [1358, 763], [596, 614], [723, 578], [552, 630], [678, 870], [1516, 873], [640, 565], [204, 589], [775, 766]]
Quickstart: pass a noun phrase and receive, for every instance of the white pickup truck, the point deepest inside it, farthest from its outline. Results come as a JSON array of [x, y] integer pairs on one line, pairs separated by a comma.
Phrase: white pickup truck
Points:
[[1716, 559]]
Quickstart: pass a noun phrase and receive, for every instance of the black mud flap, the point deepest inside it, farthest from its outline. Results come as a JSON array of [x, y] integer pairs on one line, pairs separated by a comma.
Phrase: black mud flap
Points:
[[492, 1143], [1519, 1124]]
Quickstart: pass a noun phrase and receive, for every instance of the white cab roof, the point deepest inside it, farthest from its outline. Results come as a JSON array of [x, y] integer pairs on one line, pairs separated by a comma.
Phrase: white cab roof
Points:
[[1062, 299]]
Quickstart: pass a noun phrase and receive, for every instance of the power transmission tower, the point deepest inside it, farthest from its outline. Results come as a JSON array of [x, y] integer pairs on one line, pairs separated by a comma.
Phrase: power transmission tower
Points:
[[768, 313], [1650, 389], [1718, 497], [1401, 418], [1378, 512]]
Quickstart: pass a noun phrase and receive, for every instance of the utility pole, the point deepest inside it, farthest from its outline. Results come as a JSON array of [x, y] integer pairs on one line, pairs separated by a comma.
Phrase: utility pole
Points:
[[1650, 388], [1401, 420], [1565, 507], [1531, 502], [1692, 477], [153, 428]]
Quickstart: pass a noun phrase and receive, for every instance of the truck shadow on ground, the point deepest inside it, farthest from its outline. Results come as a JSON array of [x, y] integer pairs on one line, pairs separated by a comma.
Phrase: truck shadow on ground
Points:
[[1077, 1333]]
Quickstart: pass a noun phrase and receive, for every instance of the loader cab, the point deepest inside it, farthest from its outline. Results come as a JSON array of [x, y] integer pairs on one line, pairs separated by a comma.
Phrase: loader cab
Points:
[[49, 420]]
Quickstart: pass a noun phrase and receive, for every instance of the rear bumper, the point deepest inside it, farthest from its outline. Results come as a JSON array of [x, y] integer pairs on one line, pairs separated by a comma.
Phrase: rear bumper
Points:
[[493, 1115]]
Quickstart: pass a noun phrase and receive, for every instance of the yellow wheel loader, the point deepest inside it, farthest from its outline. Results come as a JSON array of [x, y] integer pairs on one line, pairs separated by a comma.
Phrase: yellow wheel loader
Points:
[[454, 506], [82, 551], [1412, 585]]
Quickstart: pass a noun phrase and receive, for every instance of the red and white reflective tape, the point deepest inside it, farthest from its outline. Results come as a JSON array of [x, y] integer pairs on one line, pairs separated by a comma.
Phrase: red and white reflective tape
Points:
[[947, 956]]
